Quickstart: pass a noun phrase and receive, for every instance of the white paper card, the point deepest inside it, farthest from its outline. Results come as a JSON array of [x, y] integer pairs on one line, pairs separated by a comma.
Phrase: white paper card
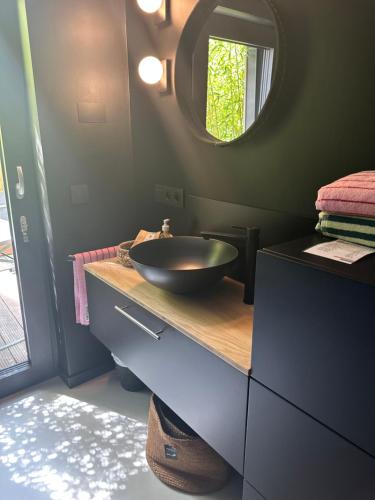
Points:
[[342, 251]]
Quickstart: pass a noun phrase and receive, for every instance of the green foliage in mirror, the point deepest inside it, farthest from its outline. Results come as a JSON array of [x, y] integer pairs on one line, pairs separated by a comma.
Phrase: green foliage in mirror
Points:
[[226, 89]]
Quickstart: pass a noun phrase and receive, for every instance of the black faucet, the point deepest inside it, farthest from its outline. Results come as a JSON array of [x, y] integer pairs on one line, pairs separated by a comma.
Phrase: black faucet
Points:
[[247, 243]]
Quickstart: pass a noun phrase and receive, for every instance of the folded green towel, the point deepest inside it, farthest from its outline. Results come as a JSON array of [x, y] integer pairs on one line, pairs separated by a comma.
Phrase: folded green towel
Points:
[[355, 229]]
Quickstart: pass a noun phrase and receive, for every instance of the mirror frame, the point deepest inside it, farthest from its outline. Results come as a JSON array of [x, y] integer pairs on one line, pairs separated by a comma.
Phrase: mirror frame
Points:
[[183, 71]]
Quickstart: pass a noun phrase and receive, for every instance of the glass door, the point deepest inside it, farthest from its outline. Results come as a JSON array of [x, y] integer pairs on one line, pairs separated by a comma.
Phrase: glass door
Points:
[[26, 329], [13, 348]]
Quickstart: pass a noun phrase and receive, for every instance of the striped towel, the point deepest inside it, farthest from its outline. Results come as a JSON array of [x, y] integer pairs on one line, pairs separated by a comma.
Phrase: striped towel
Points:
[[80, 293], [354, 194], [359, 230]]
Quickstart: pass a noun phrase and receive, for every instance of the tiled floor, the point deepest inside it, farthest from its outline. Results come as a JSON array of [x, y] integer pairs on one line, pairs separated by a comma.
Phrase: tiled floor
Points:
[[82, 444]]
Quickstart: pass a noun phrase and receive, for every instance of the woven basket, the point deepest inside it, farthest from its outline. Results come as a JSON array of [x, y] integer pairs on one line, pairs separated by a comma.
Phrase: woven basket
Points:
[[123, 253], [180, 458]]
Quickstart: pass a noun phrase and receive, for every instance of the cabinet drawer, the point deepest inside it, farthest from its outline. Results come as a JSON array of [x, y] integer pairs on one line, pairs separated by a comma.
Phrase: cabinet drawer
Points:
[[114, 318], [314, 344], [249, 493], [206, 392], [290, 456]]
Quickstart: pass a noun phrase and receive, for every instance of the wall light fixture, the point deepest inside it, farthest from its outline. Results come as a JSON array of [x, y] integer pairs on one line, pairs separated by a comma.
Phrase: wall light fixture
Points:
[[153, 71], [160, 7]]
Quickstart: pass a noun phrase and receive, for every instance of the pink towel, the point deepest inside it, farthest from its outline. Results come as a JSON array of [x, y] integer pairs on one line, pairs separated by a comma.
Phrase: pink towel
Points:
[[80, 293], [351, 195]]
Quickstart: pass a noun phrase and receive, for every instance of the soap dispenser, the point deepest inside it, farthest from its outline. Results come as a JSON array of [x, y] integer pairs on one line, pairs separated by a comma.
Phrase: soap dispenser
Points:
[[165, 230]]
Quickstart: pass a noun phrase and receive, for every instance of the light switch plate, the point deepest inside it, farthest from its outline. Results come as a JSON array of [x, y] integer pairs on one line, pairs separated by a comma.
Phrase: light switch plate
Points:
[[169, 195], [91, 112], [79, 194]]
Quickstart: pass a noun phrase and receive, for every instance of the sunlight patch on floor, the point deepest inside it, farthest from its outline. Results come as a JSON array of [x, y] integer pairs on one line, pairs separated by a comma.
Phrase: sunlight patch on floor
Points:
[[70, 449]]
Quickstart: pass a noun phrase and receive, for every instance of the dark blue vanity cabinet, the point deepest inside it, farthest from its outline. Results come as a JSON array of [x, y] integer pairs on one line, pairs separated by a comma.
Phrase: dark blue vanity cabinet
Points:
[[249, 493], [311, 417], [292, 456], [205, 391], [303, 426]]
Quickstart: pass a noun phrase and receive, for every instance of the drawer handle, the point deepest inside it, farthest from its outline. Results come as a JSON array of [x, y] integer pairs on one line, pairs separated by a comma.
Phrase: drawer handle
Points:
[[131, 318]]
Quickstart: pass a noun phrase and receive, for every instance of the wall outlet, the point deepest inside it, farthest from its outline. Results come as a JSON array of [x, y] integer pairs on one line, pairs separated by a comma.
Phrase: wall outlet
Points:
[[168, 195]]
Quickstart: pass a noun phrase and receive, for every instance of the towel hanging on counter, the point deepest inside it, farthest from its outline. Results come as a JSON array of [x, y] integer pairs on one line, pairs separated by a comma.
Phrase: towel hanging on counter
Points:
[[80, 293], [351, 195]]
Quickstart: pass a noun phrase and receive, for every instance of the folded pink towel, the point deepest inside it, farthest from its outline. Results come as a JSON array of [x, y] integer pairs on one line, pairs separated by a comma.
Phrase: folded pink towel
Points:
[[80, 293], [351, 195]]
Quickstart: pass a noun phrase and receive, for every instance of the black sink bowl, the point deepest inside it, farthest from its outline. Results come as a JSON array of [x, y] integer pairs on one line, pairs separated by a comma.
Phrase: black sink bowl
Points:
[[183, 264]]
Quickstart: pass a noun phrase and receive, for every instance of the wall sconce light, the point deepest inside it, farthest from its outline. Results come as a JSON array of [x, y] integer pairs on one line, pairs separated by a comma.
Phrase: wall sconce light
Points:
[[159, 7], [153, 71]]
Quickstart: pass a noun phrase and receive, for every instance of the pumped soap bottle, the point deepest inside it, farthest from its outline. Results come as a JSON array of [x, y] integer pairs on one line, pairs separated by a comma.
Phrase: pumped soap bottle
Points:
[[165, 230]]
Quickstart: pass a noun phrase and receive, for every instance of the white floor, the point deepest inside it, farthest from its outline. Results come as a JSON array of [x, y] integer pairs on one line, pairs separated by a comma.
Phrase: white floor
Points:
[[86, 443]]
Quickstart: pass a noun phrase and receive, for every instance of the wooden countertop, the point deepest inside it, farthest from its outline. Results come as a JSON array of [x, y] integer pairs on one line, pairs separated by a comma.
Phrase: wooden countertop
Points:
[[217, 319]]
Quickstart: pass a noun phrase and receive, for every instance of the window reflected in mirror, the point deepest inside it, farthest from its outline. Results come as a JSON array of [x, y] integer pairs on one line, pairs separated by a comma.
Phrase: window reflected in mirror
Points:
[[233, 66], [238, 83]]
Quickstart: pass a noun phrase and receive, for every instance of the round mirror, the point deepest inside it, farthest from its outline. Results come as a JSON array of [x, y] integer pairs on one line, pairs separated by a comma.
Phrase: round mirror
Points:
[[226, 66]]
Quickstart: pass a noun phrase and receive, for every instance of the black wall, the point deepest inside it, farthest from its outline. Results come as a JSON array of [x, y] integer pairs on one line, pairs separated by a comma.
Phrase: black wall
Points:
[[319, 128]]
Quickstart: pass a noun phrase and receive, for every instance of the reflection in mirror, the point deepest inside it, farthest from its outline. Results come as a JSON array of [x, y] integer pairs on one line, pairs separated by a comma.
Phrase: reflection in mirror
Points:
[[233, 67]]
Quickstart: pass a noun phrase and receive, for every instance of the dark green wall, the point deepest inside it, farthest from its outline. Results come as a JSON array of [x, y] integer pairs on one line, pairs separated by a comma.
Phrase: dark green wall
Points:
[[78, 45], [319, 128]]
